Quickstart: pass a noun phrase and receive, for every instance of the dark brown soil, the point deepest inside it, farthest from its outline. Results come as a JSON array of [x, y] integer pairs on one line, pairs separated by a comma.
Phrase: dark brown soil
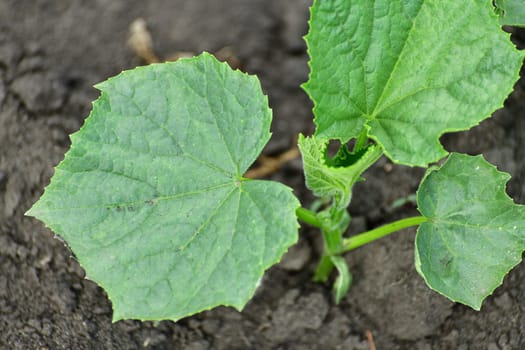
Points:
[[52, 52]]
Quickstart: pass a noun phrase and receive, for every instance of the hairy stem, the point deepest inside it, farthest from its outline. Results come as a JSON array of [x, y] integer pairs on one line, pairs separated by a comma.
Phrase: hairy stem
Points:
[[372, 235]]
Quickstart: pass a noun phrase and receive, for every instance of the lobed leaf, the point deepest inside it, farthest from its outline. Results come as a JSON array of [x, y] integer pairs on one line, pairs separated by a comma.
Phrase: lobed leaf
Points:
[[151, 197], [407, 72], [475, 234]]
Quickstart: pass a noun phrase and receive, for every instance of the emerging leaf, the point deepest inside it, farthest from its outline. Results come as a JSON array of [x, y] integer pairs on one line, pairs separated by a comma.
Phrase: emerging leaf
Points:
[[333, 180], [407, 71], [475, 234], [151, 198]]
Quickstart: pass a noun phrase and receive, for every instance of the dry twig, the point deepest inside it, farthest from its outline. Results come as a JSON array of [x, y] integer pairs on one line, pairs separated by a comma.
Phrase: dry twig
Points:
[[269, 165], [141, 42], [370, 339]]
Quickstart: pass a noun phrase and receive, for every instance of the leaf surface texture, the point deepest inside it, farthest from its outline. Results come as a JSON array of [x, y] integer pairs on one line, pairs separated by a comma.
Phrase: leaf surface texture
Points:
[[475, 234], [407, 71], [151, 198], [511, 12]]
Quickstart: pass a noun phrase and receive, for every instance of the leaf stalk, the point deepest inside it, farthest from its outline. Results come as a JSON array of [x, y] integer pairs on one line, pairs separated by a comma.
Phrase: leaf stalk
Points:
[[308, 217], [382, 231]]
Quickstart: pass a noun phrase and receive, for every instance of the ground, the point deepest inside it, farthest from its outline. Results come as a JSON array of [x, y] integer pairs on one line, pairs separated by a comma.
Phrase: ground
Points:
[[52, 52]]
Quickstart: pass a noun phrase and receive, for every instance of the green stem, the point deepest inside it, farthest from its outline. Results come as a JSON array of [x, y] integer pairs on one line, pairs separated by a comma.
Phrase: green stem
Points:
[[308, 216], [372, 235], [324, 268], [333, 241]]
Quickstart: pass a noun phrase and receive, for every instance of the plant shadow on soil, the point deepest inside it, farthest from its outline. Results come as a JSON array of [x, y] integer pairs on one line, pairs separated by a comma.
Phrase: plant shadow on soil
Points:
[[51, 53]]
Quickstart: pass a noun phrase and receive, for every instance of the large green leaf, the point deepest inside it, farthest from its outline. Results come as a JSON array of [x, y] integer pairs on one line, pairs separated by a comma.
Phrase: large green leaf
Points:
[[475, 234], [511, 12], [407, 71], [151, 198]]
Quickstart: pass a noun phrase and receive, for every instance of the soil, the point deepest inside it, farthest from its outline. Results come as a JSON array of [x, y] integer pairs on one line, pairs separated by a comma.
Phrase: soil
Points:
[[52, 52]]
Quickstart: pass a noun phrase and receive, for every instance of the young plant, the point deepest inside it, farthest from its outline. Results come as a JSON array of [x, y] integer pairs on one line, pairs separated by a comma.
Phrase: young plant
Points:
[[151, 196]]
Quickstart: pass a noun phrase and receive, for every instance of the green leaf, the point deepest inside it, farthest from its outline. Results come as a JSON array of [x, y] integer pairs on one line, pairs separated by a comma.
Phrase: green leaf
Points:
[[511, 12], [333, 179], [151, 198], [407, 71], [343, 281], [475, 234]]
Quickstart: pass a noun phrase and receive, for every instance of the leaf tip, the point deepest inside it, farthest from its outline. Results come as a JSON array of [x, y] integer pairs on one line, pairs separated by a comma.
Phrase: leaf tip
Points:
[[35, 211], [30, 212]]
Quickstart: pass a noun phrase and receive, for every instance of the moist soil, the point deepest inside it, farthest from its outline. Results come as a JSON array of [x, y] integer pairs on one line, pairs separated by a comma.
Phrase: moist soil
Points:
[[52, 52]]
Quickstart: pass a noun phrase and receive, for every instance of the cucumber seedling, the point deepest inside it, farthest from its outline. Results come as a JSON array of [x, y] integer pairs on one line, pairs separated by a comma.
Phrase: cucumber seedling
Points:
[[152, 198]]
